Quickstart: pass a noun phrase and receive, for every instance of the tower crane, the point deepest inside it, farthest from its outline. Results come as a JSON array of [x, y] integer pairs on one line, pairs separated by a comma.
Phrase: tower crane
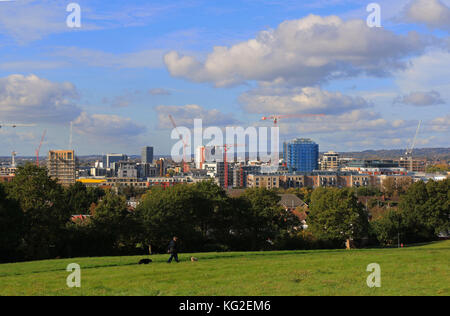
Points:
[[185, 165], [409, 151], [276, 117], [39, 148], [225, 161], [14, 125]]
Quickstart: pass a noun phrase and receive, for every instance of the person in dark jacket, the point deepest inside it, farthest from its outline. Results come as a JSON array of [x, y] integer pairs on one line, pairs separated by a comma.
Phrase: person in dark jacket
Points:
[[173, 250]]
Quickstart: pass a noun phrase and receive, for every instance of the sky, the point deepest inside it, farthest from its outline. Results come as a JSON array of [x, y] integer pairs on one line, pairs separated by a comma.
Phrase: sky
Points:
[[132, 63]]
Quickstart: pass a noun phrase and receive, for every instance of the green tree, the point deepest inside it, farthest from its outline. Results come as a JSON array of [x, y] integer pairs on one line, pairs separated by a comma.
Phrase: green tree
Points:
[[261, 217], [45, 212], [388, 227], [168, 212], [115, 225], [79, 198], [11, 227], [425, 210], [336, 215]]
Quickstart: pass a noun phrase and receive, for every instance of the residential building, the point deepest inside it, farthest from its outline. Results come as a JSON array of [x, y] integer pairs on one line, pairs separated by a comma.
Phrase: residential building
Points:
[[61, 166], [329, 161], [263, 181], [302, 155]]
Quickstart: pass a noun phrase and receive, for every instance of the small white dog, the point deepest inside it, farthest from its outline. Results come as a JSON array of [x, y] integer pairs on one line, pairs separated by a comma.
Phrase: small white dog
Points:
[[193, 259]]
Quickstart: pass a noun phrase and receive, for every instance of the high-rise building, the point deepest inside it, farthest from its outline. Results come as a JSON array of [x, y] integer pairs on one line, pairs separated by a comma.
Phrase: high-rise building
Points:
[[302, 155], [330, 161], [147, 154], [61, 166]]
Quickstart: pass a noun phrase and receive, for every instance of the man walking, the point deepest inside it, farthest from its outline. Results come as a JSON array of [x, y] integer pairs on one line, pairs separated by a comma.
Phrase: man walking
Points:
[[173, 250]]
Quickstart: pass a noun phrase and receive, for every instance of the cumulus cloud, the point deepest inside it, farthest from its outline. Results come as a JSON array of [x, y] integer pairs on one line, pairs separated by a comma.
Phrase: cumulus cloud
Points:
[[432, 13], [306, 52], [300, 100], [184, 116], [107, 126], [33, 99], [419, 98]]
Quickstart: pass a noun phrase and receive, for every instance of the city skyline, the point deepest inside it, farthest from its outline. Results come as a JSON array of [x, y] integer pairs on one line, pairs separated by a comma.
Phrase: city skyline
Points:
[[130, 65]]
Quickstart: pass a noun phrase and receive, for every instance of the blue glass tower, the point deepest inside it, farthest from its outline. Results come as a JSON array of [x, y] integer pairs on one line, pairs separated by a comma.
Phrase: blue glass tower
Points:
[[302, 155]]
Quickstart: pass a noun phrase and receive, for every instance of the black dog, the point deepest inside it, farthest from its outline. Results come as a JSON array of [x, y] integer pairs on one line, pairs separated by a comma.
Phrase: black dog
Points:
[[145, 261]]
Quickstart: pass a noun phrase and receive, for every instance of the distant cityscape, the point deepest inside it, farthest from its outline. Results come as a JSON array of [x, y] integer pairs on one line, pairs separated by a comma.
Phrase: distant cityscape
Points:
[[301, 165]]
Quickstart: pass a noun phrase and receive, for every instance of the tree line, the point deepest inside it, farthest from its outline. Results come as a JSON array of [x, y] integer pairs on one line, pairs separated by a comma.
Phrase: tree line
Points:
[[36, 218]]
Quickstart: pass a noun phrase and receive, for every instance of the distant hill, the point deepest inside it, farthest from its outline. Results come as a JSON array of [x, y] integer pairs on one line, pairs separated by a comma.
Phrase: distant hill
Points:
[[442, 154]]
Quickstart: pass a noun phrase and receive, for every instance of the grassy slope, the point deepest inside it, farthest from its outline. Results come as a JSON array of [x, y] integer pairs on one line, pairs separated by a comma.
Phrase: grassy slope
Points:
[[421, 270]]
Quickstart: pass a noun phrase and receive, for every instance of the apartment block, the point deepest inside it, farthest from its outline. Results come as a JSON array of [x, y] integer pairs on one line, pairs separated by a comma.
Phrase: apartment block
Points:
[[61, 166]]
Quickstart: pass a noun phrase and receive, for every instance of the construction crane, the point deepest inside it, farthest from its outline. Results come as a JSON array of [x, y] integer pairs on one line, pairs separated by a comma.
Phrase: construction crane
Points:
[[14, 125], [185, 165], [276, 117], [409, 151], [39, 148]]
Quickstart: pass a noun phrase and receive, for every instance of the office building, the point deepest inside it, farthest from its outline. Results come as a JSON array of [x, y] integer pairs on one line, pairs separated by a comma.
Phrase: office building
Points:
[[61, 166], [109, 159], [302, 155], [147, 154]]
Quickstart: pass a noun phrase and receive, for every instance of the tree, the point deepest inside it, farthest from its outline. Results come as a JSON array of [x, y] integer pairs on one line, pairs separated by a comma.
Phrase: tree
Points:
[[45, 212], [114, 224], [336, 215], [11, 227], [261, 217], [388, 227], [79, 198], [425, 210], [165, 213]]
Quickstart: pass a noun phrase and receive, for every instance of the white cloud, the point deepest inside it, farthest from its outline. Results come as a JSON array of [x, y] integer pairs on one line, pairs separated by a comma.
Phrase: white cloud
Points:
[[185, 115], [107, 126], [300, 100], [306, 52], [432, 13], [421, 98], [33, 99]]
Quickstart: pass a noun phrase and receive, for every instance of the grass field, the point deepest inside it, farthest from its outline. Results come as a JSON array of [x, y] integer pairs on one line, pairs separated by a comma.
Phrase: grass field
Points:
[[419, 270]]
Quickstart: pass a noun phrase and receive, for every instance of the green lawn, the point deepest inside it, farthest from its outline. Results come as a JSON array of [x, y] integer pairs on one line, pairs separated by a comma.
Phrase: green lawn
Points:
[[419, 270]]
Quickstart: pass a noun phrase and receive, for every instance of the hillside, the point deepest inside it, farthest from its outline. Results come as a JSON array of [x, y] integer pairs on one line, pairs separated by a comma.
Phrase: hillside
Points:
[[442, 154], [419, 270]]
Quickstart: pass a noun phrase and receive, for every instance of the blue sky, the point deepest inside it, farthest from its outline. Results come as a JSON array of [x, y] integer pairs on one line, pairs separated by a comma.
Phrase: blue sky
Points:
[[229, 62]]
